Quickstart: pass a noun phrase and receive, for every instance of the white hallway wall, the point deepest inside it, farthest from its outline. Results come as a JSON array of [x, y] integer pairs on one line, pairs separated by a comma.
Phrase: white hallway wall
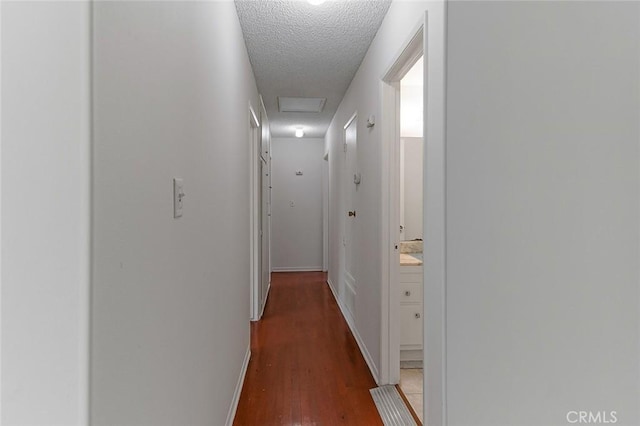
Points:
[[166, 293], [45, 212], [297, 231], [170, 319], [542, 211]]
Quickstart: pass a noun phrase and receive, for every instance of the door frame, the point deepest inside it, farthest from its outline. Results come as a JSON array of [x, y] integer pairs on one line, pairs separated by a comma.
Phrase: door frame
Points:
[[254, 209], [265, 207], [392, 210], [325, 212], [427, 39]]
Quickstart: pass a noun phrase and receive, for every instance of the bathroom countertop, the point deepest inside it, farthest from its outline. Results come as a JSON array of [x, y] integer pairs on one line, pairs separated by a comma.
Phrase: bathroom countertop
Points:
[[413, 246], [409, 260]]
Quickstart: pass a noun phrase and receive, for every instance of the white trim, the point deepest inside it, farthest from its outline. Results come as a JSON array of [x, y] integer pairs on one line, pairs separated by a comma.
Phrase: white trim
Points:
[[325, 213], [266, 297], [253, 117], [263, 109], [353, 117], [402, 218], [412, 49], [236, 393], [297, 269], [390, 221], [1, 363], [354, 331], [254, 224], [332, 287], [264, 203], [385, 244], [87, 348], [434, 220]]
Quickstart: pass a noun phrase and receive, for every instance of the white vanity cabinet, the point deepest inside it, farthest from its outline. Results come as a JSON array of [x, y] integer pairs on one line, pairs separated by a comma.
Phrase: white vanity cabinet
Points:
[[410, 288]]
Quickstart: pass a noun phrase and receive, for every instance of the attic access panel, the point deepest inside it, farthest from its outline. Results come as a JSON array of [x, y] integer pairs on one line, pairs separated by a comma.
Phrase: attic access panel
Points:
[[286, 104]]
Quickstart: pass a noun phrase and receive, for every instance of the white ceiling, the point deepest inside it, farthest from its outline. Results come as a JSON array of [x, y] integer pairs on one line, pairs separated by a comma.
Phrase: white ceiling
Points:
[[300, 50]]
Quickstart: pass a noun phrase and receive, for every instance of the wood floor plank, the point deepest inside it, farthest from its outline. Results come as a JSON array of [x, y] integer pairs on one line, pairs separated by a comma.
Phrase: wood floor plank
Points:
[[305, 367]]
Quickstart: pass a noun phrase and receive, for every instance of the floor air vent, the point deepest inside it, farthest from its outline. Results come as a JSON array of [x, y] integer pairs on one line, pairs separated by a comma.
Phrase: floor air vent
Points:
[[391, 407]]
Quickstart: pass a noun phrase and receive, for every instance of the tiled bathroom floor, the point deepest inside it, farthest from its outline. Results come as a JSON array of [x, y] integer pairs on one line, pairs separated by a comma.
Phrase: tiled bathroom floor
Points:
[[411, 385]]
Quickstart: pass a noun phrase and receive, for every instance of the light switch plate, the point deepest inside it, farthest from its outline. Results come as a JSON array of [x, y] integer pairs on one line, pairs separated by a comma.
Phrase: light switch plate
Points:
[[178, 197]]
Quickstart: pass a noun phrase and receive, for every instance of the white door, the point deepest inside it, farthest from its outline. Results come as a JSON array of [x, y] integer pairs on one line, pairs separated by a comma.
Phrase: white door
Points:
[[350, 213]]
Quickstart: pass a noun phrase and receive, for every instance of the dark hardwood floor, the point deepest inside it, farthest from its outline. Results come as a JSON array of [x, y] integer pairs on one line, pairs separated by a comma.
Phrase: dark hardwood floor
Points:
[[305, 368]]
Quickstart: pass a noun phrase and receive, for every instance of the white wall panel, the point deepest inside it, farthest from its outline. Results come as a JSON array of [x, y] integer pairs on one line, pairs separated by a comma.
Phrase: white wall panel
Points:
[[543, 101], [170, 321], [45, 212]]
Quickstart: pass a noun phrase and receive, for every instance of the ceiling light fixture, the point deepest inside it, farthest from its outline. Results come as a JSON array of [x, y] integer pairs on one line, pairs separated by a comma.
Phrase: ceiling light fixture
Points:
[[299, 132], [316, 2]]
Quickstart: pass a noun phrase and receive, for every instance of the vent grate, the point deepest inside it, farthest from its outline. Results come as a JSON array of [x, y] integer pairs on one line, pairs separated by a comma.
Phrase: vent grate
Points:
[[391, 407]]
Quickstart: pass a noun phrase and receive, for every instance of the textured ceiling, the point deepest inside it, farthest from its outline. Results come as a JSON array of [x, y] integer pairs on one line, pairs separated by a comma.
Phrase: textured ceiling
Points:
[[300, 50]]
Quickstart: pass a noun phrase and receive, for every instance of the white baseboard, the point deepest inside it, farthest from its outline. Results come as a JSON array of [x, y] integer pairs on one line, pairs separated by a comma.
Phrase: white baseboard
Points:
[[266, 297], [333, 290], [350, 322], [236, 394], [297, 269]]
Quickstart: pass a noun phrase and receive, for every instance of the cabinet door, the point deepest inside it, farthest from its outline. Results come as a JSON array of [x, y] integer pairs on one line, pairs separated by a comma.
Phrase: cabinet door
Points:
[[411, 325], [410, 293]]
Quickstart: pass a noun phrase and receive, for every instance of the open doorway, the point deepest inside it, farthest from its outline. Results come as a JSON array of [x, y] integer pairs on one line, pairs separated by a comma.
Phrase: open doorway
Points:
[[409, 280], [403, 269]]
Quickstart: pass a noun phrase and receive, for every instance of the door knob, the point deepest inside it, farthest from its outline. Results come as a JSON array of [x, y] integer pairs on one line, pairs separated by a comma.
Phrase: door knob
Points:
[[352, 213]]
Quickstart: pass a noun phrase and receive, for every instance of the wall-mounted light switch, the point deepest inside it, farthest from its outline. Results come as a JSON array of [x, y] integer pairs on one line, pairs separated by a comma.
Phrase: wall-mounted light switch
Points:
[[178, 197]]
